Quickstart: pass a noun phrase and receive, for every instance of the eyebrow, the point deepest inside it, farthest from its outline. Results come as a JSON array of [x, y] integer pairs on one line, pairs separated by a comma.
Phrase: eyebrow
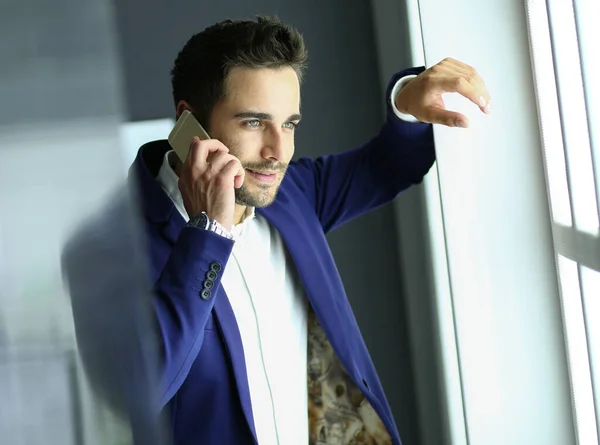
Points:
[[264, 116]]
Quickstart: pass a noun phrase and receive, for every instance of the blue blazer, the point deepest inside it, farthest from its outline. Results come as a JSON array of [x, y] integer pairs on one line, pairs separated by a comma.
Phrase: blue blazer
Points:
[[203, 384]]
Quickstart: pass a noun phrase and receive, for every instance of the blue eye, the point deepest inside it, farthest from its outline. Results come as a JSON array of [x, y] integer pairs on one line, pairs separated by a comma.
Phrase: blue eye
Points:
[[252, 124], [291, 125]]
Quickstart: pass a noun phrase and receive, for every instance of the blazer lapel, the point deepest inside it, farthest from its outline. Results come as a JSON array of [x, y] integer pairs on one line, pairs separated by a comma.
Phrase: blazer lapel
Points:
[[233, 344]]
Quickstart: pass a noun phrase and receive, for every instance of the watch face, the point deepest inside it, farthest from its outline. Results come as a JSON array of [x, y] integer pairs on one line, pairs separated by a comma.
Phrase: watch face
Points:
[[200, 220]]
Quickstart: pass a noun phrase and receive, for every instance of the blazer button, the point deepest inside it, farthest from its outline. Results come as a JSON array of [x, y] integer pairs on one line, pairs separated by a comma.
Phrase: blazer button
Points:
[[211, 275], [209, 284], [216, 266], [205, 294]]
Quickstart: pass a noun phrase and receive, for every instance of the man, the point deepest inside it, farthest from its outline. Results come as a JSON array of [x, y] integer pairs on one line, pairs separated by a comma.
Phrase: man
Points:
[[258, 340]]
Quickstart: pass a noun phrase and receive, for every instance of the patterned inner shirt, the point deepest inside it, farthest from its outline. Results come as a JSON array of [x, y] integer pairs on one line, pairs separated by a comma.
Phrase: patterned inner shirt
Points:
[[338, 412]]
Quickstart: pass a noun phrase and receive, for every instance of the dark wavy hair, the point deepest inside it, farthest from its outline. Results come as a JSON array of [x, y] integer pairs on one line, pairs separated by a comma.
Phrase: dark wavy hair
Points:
[[201, 67]]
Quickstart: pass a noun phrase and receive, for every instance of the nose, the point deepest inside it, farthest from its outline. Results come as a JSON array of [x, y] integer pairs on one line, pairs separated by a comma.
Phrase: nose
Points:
[[274, 147]]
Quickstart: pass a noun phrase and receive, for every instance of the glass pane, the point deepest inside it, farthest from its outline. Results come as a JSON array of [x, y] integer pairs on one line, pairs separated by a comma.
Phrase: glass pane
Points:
[[60, 168], [136, 134], [577, 350], [552, 141], [574, 115], [587, 13], [590, 285]]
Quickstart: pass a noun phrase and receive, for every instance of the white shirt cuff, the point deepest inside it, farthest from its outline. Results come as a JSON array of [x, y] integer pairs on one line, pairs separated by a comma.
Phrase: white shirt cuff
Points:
[[401, 82]]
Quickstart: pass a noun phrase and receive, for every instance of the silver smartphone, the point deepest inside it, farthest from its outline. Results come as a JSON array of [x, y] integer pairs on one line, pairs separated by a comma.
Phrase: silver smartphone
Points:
[[186, 129]]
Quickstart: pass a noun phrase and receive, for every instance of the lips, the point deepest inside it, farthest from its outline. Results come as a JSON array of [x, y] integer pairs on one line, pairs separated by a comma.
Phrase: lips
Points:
[[263, 176], [264, 173]]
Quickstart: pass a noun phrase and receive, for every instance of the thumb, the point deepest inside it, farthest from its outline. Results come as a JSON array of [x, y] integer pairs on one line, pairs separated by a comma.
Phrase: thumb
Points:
[[238, 181], [239, 178], [448, 118]]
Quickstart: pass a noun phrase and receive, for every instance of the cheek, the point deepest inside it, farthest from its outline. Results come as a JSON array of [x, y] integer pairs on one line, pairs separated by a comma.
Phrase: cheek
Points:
[[290, 156], [236, 142], [290, 147], [247, 146]]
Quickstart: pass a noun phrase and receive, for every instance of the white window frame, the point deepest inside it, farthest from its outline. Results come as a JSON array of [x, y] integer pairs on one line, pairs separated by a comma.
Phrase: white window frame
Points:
[[576, 243]]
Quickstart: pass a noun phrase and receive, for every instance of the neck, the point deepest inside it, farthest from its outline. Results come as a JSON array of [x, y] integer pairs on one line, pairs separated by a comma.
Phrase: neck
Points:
[[238, 213]]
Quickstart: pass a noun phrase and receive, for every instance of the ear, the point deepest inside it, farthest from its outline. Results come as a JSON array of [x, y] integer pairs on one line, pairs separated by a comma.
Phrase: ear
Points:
[[182, 106]]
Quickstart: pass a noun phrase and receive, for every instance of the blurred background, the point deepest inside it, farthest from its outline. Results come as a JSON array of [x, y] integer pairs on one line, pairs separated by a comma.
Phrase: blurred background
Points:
[[477, 292]]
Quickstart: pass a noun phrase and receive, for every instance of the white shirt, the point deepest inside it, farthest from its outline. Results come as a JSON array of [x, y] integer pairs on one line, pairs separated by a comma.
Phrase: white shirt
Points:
[[270, 308]]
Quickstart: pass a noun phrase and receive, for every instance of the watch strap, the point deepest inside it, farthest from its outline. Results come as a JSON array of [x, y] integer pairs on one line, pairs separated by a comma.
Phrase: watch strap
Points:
[[203, 221]]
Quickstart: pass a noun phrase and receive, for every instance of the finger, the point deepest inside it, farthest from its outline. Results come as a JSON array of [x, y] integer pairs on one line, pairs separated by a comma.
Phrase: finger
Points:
[[200, 150], [450, 67], [467, 88], [456, 67], [235, 171], [216, 161], [446, 117], [461, 67]]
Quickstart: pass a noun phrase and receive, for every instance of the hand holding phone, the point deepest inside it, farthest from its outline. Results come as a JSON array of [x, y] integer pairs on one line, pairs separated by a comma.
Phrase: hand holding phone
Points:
[[210, 174]]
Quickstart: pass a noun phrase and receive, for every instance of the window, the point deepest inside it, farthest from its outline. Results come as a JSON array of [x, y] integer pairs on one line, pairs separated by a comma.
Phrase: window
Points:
[[564, 64]]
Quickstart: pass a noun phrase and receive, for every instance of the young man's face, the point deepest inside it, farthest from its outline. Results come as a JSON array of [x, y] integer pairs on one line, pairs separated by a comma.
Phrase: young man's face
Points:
[[256, 120]]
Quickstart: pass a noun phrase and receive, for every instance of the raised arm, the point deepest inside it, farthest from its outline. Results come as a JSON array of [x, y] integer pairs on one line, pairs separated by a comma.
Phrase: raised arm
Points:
[[344, 186]]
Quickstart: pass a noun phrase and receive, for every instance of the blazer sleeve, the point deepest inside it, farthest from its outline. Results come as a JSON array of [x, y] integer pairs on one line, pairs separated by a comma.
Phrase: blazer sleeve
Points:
[[181, 305], [346, 185], [139, 334]]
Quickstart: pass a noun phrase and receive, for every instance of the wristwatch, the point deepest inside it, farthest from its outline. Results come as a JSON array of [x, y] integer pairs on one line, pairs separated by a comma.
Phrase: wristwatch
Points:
[[203, 221]]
